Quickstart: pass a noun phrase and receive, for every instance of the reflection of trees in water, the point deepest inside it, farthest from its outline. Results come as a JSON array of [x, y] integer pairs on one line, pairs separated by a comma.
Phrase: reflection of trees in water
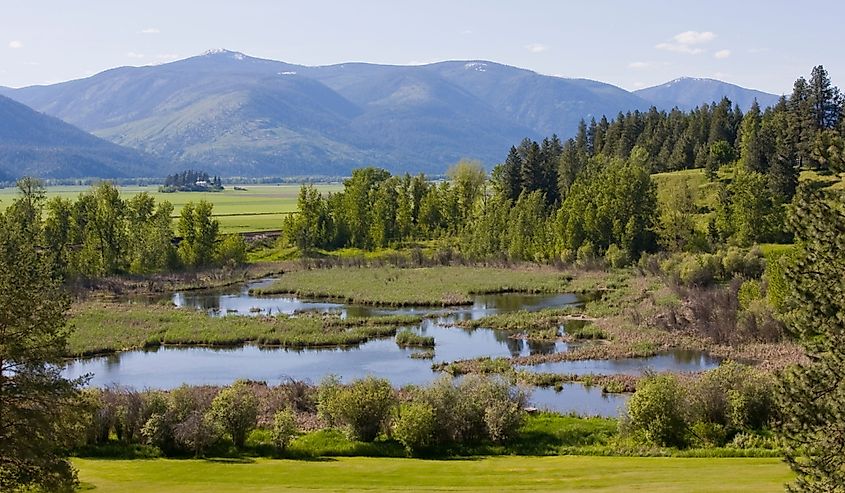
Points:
[[201, 301], [540, 347]]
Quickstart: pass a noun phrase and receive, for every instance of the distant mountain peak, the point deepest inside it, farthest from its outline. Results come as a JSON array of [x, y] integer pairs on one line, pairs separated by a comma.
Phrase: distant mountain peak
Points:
[[223, 51], [688, 92], [477, 66]]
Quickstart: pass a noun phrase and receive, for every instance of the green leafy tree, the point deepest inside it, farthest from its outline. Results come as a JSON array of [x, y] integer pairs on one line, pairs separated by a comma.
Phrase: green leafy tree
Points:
[[199, 231], [235, 409]]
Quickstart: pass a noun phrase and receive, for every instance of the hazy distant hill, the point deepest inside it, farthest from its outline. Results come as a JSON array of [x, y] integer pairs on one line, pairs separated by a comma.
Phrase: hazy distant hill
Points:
[[238, 115], [688, 92], [35, 144]]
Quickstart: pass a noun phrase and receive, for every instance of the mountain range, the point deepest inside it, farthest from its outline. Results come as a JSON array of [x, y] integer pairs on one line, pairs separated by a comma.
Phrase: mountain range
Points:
[[35, 144], [231, 114]]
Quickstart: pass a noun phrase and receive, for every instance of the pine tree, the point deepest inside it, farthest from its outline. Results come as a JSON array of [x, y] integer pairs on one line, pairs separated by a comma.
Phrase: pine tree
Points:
[[36, 403], [824, 99], [531, 173], [510, 176], [813, 394]]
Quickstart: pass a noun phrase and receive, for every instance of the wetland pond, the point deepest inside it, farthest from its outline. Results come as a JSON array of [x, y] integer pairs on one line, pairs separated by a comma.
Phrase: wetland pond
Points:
[[169, 367]]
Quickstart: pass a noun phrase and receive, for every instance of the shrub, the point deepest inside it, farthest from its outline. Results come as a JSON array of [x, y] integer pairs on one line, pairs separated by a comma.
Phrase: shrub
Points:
[[232, 251], [699, 270], [616, 257], [415, 426], [235, 409], [586, 253], [157, 431], [285, 429], [502, 418], [735, 396], [749, 291], [196, 433], [327, 392], [656, 411], [363, 407]]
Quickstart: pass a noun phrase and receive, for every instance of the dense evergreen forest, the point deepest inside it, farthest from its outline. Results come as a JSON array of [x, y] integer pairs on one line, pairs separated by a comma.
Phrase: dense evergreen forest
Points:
[[594, 194]]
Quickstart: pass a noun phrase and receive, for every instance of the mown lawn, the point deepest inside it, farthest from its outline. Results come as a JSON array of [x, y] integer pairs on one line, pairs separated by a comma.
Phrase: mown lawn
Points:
[[529, 474], [438, 286]]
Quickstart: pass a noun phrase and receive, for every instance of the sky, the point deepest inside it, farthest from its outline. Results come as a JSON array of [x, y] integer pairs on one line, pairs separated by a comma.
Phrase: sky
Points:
[[763, 45]]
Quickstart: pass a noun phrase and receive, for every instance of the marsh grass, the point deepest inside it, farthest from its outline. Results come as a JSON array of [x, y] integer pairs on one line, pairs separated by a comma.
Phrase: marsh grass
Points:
[[409, 338], [427, 286], [110, 327]]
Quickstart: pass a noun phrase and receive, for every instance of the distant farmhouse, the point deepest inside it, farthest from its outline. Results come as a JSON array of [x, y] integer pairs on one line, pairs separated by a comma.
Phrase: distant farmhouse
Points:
[[191, 181]]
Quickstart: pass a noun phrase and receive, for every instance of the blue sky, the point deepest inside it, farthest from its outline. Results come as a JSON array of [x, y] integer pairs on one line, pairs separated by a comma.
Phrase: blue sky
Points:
[[759, 44]]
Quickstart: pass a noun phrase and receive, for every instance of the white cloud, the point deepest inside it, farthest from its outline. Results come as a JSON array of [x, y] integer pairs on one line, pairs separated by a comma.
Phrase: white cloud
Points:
[[132, 54], [536, 47], [15, 44], [167, 56], [694, 37], [679, 48], [467, 32], [686, 42], [149, 30], [639, 85], [722, 54]]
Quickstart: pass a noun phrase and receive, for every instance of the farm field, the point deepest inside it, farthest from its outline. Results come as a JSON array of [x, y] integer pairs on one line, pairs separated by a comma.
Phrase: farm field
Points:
[[570, 473], [258, 208]]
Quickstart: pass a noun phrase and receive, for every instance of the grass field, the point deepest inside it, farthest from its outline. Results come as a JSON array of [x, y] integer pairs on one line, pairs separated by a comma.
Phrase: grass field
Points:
[[258, 208], [529, 474], [433, 286]]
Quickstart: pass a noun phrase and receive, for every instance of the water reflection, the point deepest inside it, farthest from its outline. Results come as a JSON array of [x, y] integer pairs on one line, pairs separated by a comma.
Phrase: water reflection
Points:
[[170, 367]]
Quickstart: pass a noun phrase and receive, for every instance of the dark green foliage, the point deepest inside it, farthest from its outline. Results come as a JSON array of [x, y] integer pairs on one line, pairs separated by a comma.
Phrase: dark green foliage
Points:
[[191, 181], [813, 394], [37, 405]]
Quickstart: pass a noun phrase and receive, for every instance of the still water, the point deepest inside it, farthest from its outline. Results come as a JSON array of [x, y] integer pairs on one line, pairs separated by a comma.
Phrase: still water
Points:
[[169, 367]]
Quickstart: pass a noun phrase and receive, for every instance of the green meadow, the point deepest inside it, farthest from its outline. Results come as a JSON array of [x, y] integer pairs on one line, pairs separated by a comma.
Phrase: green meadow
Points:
[[534, 474]]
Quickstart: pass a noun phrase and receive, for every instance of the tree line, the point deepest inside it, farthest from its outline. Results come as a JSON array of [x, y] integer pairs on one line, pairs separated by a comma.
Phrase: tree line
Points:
[[101, 233], [593, 195]]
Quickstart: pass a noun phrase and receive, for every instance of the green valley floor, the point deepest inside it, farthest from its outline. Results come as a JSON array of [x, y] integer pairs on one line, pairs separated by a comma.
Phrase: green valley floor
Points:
[[529, 474]]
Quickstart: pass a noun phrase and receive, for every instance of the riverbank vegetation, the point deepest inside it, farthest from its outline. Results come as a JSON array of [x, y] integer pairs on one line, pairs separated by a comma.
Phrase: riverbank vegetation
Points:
[[430, 286], [110, 327], [726, 412]]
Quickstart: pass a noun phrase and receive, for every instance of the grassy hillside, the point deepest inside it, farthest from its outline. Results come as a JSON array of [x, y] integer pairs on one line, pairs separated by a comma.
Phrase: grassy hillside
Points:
[[535, 474]]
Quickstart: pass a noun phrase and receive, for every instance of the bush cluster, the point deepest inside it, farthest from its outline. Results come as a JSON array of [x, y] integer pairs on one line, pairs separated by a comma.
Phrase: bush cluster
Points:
[[712, 410], [202, 419], [704, 269]]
